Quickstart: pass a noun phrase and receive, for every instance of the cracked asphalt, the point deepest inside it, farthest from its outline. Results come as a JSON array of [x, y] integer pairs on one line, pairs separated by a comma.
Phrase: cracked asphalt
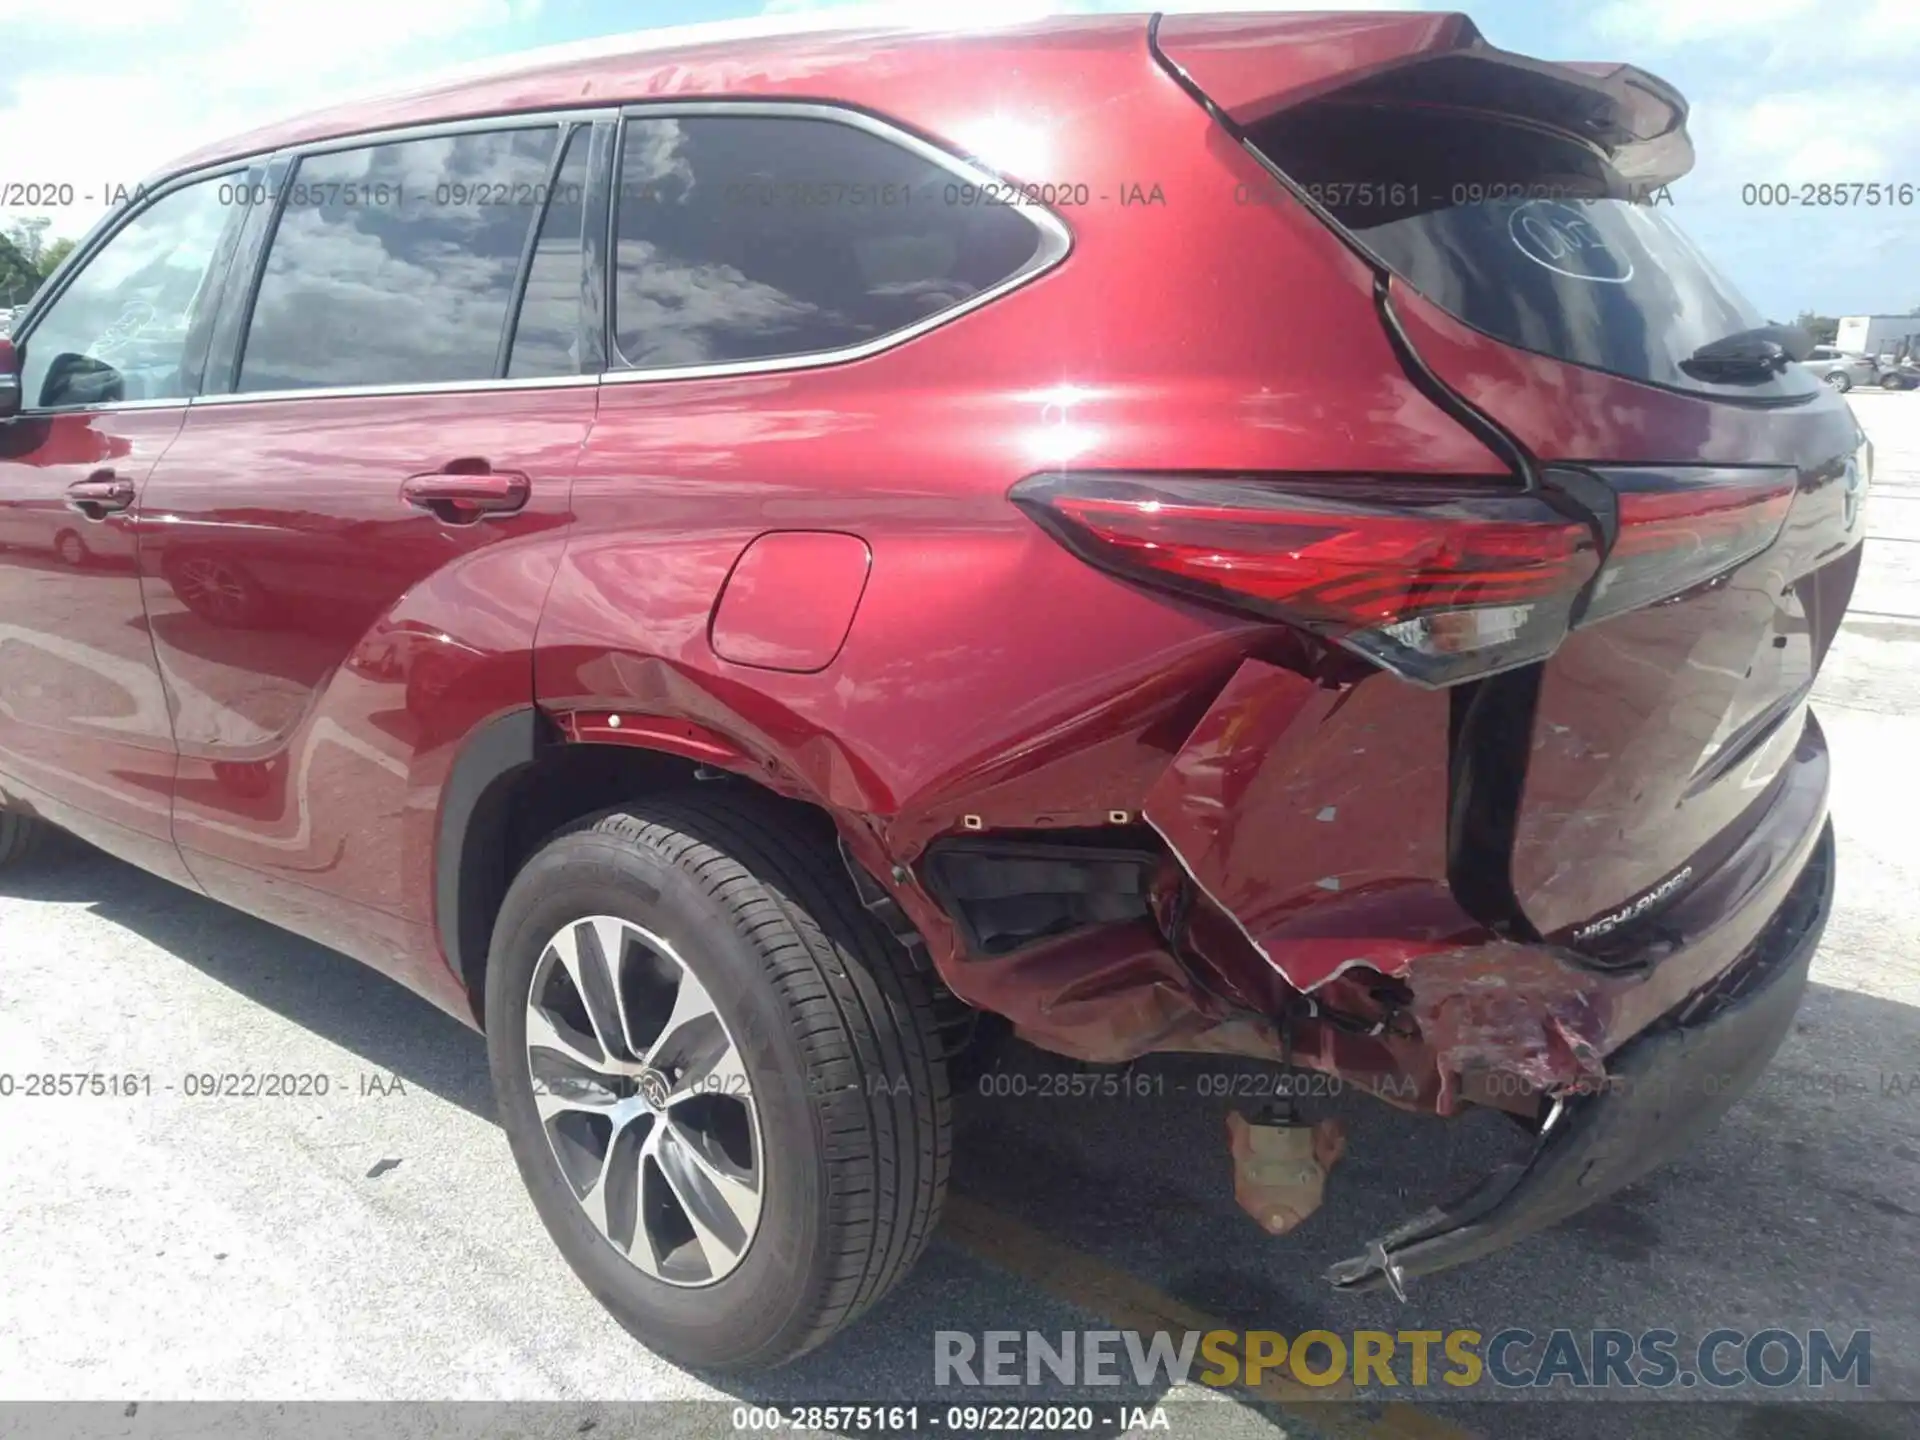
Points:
[[373, 1242]]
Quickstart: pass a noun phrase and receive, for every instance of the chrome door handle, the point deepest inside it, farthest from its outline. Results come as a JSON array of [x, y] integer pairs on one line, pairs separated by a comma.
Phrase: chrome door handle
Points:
[[100, 494], [467, 490]]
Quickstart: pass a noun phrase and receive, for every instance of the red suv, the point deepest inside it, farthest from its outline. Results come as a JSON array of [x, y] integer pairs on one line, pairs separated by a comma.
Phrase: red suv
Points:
[[722, 564]]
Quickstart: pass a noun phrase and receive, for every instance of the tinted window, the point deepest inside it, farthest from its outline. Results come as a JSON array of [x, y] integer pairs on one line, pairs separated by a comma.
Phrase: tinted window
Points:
[[546, 336], [395, 264], [1521, 234], [746, 238], [123, 329]]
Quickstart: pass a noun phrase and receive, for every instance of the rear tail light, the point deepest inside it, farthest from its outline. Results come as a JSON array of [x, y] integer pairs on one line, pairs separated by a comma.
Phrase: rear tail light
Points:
[[1682, 527], [1435, 584]]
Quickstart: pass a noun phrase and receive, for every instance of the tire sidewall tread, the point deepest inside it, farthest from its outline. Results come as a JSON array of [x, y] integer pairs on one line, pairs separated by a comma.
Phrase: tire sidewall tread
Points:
[[835, 1019]]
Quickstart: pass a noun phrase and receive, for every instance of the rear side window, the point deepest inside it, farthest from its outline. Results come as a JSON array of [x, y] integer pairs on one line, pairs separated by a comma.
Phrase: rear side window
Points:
[[1522, 234], [396, 264], [744, 238]]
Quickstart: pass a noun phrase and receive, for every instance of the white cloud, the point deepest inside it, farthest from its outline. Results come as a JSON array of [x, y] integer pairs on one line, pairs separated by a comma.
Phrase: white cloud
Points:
[[1791, 32], [1678, 22], [1807, 135], [100, 113], [949, 13], [116, 16], [1789, 93]]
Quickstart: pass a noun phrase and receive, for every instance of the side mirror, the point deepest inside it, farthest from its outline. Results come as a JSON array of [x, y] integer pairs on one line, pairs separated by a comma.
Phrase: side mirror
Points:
[[10, 397], [82, 380]]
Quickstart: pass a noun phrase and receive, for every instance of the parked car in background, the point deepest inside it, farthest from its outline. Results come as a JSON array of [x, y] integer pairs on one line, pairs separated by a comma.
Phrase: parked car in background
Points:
[[1877, 334], [720, 561], [6, 321], [1839, 369], [1898, 375]]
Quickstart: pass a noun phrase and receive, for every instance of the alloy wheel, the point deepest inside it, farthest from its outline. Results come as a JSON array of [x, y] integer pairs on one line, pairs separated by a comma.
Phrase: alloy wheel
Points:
[[212, 590], [645, 1101]]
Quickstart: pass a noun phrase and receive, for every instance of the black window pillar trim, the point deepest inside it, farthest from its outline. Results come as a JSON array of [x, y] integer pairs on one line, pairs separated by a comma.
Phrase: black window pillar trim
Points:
[[222, 373], [206, 319], [529, 245], [596, 245]]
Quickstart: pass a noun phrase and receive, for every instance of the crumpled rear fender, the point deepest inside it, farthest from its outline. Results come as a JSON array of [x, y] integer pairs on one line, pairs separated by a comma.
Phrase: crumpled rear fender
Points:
[[1315, 820]]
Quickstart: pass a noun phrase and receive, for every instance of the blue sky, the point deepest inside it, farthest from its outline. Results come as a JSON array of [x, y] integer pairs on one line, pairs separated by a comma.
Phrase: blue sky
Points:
[[100, 92]]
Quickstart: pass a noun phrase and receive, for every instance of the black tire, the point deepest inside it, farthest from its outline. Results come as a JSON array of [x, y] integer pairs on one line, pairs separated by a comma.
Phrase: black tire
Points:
[[217, 592], [1840, 380], [836, 1024], [21, 837]]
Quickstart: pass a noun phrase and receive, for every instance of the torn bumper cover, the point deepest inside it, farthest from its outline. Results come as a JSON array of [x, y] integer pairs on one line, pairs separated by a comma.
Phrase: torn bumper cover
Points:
[[1662, 1090]]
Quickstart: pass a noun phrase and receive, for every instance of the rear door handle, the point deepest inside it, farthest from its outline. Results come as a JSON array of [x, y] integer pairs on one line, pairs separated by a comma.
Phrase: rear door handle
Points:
[[99, 494], [463, 491]]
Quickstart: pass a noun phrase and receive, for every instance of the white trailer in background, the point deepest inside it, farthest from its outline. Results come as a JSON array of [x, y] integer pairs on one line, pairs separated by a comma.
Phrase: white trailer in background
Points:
[[1892, 337]]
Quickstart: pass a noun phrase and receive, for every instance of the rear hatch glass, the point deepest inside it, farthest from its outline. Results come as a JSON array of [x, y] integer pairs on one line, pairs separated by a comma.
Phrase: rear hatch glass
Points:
[[1527, 236]]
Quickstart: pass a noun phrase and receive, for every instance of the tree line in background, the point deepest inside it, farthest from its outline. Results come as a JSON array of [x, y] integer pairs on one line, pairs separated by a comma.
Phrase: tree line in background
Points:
[[26, 259]]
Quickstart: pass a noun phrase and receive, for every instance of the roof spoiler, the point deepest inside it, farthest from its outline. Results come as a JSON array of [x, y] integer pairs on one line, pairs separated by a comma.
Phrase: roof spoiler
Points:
[[1249, 67]]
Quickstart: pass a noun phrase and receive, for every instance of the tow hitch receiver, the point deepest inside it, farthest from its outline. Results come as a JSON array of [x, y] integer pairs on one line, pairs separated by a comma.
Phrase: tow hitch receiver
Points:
[[1280, 1166]]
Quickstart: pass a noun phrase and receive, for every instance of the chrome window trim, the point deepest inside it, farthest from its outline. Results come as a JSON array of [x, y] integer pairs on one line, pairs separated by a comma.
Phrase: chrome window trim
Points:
[[147, 192], [105, 407], [1056, 240], [425, 387], [1056, 243], [433, 129]]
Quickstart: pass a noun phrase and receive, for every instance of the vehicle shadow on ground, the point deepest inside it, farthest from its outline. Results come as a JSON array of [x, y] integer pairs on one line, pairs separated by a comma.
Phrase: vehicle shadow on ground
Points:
[[1797, 1210], [319, 989]]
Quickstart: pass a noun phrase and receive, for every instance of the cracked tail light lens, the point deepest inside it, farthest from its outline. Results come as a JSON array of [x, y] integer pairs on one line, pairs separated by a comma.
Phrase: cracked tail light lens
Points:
[[1435, 583], [1696, 525]]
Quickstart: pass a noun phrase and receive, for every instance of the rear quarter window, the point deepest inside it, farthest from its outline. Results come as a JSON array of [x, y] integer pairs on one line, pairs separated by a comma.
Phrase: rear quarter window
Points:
[[743, 239]]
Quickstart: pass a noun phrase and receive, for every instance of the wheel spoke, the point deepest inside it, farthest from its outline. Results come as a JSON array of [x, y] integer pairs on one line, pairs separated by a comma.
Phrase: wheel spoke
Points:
[[722, 1209], [691, 1006], [591, 1092], [715, 1069], [591, 968], [610, 938], [543, 1034], [612, 1200]]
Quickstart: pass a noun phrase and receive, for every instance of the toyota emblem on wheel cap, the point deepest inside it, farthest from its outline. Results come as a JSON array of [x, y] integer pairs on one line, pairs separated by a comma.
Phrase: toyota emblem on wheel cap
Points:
[[654, 1088]]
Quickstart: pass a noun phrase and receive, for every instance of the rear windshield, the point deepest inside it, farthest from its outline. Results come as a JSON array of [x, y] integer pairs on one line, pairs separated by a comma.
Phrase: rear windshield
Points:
[[1522, 234]]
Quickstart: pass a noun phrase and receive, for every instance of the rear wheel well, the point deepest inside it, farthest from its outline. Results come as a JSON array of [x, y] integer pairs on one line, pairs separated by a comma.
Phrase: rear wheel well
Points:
[[521, 786]]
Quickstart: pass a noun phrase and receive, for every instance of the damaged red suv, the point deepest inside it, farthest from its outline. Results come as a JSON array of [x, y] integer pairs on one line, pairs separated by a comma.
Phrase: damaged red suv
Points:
[[719, 564]]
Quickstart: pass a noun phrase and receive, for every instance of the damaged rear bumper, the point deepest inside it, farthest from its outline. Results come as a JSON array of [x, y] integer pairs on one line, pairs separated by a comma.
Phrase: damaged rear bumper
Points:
[[1661, 1091]]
